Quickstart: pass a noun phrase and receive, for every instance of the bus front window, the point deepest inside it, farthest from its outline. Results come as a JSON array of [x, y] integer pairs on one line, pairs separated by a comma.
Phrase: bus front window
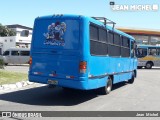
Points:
[[141, 52]]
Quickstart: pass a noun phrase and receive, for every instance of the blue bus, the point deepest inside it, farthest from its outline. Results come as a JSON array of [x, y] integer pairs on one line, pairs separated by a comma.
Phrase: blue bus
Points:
[[80, 52]]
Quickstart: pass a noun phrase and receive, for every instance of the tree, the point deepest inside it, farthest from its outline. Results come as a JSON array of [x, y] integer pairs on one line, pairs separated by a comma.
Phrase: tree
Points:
[[5, 31]]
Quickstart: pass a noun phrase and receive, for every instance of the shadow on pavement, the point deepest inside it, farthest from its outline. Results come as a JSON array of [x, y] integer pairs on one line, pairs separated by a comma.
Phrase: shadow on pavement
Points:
[[119, 85], [46, 97], [49, 97]]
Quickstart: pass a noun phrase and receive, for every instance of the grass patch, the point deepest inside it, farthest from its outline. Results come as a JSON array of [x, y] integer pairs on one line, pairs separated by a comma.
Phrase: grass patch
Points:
[[7, 77], [1, 64]]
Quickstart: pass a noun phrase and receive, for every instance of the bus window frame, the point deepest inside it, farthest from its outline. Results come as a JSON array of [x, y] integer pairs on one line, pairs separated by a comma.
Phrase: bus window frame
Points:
[[109, 43]]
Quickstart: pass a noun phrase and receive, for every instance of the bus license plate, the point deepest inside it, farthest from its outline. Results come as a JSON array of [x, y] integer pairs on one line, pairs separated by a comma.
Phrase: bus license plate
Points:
[[53, 82]]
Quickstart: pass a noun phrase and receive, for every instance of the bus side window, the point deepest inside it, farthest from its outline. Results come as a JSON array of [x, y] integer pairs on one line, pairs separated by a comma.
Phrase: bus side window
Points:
[[110, 37], [152, 51], [98, 41], [117, 39], [125, 48], [158, 51], [141, 52], [93, 33], [15, 53], [102, 35], [6, 53], [24, 53]]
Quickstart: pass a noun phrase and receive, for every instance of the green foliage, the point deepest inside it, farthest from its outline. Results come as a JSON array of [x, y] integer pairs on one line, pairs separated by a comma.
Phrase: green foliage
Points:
[[4, 31], [1, 64], [8, 77]]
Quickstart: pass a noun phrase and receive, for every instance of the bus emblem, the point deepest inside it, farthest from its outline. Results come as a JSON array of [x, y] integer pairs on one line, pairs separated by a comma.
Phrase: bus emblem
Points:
[[55, 34]]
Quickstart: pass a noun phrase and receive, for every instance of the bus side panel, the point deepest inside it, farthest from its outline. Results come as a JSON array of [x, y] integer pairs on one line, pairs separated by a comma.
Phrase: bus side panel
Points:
[[98, 66], [125, 76], [118, 67]]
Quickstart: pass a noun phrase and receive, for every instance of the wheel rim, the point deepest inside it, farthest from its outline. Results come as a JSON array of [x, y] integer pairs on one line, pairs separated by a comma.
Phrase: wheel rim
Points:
[[148, 65]]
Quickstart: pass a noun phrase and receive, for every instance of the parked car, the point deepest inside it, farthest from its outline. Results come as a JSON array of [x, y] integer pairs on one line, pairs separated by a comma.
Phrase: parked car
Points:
[[16, 56]]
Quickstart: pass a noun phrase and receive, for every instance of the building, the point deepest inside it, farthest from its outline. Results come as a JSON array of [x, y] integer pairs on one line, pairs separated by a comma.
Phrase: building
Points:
[[143, 36], [23, 35], [22, 39], [6, 43]]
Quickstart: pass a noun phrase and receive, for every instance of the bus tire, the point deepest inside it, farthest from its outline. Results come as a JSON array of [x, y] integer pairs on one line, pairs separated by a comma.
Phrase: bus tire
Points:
[[131, 81], [139, 67], [107, 89], [149, 65], [6, 64]]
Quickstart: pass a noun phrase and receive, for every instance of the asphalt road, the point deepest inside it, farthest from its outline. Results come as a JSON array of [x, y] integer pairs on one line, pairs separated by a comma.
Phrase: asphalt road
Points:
[[143, 95]]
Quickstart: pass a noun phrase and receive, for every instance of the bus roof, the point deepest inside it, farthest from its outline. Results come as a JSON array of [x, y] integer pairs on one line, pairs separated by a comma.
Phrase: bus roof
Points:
[[90, 19], [110, 28], [146, 46]]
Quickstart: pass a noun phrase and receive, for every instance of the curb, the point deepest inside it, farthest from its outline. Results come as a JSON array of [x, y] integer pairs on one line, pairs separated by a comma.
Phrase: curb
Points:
[[14, 86]]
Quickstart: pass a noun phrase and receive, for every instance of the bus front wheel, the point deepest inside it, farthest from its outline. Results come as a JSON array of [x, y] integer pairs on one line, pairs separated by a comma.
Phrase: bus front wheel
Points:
[[107, 89], [148, 65]]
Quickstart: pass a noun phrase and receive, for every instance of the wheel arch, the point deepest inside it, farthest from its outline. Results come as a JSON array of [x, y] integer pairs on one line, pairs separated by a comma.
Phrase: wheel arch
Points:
[[112, 77]]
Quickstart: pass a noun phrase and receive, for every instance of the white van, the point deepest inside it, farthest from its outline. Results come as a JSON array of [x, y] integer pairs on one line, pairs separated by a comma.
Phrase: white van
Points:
[[16, 56]]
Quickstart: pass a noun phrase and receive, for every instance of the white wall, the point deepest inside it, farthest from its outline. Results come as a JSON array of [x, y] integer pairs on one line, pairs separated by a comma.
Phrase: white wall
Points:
[[22, 38], [7, 42], [13, 41]]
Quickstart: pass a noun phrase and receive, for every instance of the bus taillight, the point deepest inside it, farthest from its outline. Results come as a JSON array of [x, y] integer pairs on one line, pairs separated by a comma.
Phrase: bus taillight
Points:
[[83, 66], [30, 60]]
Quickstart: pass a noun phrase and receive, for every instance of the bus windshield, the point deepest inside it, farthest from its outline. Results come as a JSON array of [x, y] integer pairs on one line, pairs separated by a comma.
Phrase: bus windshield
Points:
[[141, 52]]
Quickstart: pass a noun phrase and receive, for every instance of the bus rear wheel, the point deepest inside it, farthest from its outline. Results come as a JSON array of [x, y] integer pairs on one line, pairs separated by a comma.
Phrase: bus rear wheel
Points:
[[148, 65], [107, 89]]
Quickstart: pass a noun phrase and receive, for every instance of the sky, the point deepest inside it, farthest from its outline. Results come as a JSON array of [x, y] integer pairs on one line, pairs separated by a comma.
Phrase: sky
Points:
[[24, 12]]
